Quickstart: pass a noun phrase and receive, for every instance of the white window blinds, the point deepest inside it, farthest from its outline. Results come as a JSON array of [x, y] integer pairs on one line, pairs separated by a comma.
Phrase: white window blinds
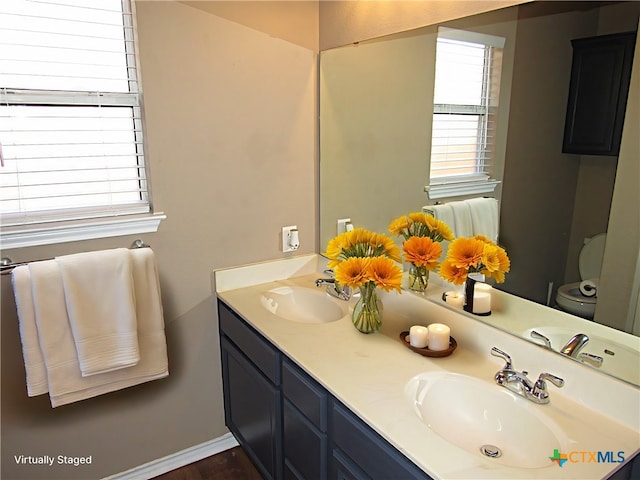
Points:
[[467, 83], [70, 116]]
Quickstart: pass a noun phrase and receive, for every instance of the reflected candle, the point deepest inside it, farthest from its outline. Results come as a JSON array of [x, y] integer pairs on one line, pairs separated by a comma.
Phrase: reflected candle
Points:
[[418, 336], [455, 299], [481, 302], [439, 337]]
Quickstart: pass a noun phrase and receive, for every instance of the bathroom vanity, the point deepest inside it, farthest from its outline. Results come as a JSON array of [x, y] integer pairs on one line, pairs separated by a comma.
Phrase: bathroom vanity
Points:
[[316, 399]]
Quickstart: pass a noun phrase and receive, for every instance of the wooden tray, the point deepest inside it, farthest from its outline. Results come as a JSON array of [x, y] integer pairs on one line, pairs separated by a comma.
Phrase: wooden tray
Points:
[[404, 338]]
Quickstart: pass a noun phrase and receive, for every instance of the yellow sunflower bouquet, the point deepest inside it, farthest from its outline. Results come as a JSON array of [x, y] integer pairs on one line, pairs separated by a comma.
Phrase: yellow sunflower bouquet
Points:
[[365, 260], [474, 255], [422, 235]]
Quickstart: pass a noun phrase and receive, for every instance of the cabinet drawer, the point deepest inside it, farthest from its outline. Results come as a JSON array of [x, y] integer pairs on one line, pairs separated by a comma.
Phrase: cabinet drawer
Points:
[[261, 353], [305, 393], [372, 453]]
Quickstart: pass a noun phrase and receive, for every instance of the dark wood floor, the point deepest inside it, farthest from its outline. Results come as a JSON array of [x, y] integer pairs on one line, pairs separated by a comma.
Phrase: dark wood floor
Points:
[[232, 464]]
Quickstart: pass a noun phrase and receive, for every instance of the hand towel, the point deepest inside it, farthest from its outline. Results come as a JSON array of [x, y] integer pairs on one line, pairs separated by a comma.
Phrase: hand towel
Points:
[[98, 291], [462, 218], [34, 366], [442, 212], [485, 217], [65, 381]]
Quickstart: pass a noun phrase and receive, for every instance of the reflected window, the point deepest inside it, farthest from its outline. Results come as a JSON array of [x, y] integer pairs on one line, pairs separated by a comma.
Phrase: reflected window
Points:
[[70, 116], [467, 85]]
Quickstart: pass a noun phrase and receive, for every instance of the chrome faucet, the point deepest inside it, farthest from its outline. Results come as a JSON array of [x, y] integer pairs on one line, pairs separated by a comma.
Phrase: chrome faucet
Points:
[[573, 346], [519, 383], [334, 288]]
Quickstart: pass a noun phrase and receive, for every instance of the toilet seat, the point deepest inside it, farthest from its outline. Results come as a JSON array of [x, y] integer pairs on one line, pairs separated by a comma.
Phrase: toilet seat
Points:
[[571, 291], [569, 297]]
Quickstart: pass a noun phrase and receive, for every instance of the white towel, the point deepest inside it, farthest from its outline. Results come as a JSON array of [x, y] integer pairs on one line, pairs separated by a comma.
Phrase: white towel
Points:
[[32, 354], [462, 218], [98, 290], [485, 217], [444, 213], [65, 381]]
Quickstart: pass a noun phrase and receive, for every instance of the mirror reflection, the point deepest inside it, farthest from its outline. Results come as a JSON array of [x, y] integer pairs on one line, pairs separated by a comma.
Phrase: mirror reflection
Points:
[[376, 108]]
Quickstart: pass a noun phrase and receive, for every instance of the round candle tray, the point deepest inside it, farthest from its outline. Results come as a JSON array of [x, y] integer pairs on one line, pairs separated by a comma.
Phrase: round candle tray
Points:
[[404, 337]]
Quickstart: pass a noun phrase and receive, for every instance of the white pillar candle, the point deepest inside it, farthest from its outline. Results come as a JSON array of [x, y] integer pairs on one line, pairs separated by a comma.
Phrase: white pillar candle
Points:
[[418, 336], [455, 299], [481, 302], [438, 337]]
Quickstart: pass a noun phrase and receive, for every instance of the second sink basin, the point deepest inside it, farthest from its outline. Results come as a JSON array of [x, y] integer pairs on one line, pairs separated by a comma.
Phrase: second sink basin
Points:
[[485, 419], [301, 304]]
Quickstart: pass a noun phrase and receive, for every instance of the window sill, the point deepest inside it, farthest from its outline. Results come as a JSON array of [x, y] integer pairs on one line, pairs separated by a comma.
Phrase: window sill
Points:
[[60, 232], [457, 189]]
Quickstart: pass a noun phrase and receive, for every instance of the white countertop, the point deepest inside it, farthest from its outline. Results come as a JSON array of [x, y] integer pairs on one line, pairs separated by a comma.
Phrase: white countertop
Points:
[[368, 373]]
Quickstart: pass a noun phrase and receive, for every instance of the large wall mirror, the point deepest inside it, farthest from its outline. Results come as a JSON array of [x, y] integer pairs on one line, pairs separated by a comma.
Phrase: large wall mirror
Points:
[[374, 163]]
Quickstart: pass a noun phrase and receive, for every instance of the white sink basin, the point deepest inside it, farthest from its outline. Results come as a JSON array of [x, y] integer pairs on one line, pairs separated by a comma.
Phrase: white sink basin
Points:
[[485, 419], [304, 305], [620, 360]]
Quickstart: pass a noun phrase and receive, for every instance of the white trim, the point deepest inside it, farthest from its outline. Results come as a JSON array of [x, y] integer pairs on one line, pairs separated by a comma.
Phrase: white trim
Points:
[[472, 37], [60, 232], [176, 460], [460, 188]]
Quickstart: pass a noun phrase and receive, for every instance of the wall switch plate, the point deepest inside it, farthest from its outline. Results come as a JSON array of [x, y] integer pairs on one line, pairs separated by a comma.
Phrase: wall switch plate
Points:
[[290, 239], [344, 225]]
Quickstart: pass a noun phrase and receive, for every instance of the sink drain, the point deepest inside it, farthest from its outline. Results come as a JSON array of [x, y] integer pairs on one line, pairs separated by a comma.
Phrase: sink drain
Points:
[[491, 451]]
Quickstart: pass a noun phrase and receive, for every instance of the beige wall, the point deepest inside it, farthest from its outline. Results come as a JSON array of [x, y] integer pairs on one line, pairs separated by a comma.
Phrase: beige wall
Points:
[[231, 142]]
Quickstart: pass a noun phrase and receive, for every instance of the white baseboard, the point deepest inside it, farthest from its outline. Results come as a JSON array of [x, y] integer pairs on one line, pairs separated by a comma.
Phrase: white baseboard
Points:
[[178, 459]]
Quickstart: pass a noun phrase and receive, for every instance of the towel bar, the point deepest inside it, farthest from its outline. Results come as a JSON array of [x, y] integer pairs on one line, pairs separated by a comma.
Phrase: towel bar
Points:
[[6, 265]]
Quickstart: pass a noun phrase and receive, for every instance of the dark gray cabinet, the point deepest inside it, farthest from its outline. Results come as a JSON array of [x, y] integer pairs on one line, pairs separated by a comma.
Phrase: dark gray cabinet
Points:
[[291, 426], [252, 398], [598, 90]]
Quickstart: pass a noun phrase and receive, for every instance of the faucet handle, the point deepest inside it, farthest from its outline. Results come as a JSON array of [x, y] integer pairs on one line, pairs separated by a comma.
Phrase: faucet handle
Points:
[[539, 391], [330, 272], [496, 352], [538, 336], [557, 381]]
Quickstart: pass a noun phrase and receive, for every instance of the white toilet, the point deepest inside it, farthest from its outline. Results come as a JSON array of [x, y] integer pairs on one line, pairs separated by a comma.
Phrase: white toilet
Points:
[[569, 298]]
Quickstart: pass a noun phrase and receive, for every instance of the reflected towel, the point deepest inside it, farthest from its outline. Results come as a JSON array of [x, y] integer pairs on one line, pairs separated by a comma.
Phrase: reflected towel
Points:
[[462, 218], [98, 292], [443, 213], [589, 288], [485, 217]]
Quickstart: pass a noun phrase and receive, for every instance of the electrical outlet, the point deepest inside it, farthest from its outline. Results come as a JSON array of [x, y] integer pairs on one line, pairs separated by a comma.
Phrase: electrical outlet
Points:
[[290, 239], [344, 225]]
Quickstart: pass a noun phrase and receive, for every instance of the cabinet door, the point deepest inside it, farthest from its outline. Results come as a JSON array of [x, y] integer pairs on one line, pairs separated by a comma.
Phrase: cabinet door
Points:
[[305, 447], [251, 408], [600, 75], [374, 456]]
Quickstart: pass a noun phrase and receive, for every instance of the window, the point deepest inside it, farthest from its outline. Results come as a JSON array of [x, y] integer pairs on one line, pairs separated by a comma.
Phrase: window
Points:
[[71, 145], [467, 83]]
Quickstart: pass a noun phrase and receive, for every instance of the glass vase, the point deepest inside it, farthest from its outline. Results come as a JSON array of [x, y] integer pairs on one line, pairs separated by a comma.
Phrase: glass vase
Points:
[[418, 278], [366, 316]]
